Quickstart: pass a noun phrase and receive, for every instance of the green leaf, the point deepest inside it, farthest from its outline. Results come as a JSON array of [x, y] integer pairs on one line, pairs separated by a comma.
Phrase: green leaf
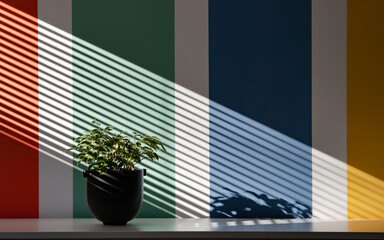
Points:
[[107, 129], [80, 155], [103, 170]]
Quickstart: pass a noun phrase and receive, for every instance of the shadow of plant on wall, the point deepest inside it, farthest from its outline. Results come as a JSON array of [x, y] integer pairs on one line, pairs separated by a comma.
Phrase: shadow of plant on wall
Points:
[[252, 205]]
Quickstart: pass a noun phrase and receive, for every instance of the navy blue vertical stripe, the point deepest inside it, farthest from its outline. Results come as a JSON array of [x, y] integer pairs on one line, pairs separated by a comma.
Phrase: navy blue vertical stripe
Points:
[[260, 89]]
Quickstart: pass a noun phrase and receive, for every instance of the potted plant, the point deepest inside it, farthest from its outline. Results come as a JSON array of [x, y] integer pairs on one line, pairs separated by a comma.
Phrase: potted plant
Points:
[[114, 185]]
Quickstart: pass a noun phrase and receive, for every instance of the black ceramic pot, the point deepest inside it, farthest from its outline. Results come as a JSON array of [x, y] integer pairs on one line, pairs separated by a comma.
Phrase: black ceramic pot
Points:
[[115, 197]]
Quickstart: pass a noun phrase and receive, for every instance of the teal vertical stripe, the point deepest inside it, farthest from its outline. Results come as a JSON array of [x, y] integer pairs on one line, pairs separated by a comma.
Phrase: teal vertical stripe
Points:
[[123, 70]]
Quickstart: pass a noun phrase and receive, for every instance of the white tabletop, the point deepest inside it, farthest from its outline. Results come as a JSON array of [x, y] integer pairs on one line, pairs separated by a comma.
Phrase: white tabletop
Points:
[[193, 228]]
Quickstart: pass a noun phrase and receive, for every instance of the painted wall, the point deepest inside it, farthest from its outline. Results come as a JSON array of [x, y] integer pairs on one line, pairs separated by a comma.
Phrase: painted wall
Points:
[[108, 38], [365, 110], [268, 109], [260, 79], [19, 124]]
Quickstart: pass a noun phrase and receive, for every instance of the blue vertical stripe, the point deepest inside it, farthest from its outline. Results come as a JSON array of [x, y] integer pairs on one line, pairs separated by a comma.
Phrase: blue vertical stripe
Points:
[[260, 108]]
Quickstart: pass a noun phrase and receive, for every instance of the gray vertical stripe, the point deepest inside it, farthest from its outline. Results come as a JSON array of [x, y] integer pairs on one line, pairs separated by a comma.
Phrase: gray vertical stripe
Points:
[[329, 108], [191, 92], [329, 77], [191, 45], [57, 13], [55, 112]]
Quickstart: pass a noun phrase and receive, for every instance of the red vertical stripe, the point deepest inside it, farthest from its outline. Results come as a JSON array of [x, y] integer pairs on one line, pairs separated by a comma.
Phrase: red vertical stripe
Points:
[[19, 157]]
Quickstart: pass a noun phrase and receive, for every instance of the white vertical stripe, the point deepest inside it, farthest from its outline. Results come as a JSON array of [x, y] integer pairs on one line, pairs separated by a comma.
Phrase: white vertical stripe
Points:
[[329, 116], [55, 110]]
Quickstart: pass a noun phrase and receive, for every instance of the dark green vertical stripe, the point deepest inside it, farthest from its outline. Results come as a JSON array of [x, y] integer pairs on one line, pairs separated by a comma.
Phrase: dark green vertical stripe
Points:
[[112, 38]]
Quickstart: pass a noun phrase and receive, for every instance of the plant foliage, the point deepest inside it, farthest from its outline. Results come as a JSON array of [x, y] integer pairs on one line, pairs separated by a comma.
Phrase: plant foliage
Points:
[[103, 150]]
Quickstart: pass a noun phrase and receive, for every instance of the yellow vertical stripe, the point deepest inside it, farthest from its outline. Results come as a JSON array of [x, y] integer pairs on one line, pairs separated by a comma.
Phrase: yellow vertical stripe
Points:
[[365, 108]]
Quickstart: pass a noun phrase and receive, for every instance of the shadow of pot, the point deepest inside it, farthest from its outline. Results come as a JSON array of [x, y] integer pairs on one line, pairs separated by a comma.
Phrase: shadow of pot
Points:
[[116, 197]]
